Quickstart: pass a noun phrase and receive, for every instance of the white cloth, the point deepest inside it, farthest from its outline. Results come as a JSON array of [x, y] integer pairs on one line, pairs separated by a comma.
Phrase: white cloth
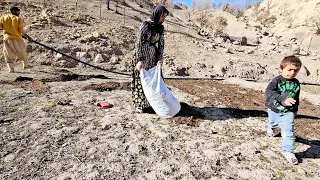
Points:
[[158, 95]]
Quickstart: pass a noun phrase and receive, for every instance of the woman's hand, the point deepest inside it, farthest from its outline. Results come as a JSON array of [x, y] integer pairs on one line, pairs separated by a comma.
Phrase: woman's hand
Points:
[[139, 65]]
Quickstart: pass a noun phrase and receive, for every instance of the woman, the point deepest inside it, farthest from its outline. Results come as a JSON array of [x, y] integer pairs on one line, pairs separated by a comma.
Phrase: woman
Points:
[[149, 51]]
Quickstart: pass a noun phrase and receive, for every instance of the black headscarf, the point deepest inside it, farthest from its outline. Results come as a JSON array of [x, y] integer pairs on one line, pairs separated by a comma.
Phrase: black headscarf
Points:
[[158, 11]]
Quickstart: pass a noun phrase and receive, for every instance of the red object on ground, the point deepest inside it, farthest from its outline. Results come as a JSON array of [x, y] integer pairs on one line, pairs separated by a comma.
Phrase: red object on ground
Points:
[[104, 105]]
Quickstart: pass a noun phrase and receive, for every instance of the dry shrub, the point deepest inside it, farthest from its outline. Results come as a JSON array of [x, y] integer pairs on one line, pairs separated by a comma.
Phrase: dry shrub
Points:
[[265, 18], [218, 25], [316, 21], [232, 9], [203, 19], [255, 9]]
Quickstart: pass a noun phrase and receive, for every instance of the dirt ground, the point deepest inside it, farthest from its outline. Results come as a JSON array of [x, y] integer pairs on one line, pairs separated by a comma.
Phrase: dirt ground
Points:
[[52, 128]]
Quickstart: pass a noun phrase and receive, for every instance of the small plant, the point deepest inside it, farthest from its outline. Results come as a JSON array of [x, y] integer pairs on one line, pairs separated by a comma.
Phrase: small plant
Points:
[[203, 19], [290, 22], [14, 108], [256, 6], [219, 24], [265, 18], [316, 21]]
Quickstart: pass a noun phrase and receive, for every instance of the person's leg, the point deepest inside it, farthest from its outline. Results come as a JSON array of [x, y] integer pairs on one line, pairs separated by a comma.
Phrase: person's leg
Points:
[[139, 100], [286, 123], [272, 122], [9, 55], [22, 52]]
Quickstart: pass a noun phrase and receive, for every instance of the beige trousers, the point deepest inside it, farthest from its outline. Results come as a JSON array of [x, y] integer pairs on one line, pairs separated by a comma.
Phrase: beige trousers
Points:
[[12, 50]]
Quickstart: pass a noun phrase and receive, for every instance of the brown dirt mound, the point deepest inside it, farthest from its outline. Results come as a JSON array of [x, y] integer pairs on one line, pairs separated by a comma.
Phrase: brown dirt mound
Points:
[[243, 102], [30, 84], [72, 77], [108, 86], [188, 115]]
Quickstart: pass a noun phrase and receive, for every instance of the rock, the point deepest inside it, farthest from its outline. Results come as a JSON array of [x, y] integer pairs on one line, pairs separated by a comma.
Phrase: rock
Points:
[[76, 35], [181, 72], [29, 48], [250, 52], [82, 55], [227, 50], [88, 38], [294, 39], [219, 40], [59, 56], [96, 34], [203, 32], [98, 58], [265, 33], [200, 44], [130, 27], [235, 42], [242, 40], [202, 66], [294, 50], [45, 15], [272, 48], [256, 40], [114, 59], [63, 63]]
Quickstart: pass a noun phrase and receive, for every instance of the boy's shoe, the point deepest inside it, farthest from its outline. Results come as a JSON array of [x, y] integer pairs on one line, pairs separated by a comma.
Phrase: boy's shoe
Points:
[[271, 132], [290, 157]]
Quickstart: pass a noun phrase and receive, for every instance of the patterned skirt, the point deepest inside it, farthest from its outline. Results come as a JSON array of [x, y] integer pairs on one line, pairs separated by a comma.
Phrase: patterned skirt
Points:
[[139, 100]]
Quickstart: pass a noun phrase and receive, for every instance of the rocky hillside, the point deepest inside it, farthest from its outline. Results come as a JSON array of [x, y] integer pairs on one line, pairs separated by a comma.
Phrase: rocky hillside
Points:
[[90, 32], [294, 19]]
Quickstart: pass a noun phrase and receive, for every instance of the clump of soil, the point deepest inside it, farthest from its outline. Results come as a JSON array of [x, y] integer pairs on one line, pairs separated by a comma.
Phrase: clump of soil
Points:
[[72, 77], [108, 86], [188, 115], [30, 84]]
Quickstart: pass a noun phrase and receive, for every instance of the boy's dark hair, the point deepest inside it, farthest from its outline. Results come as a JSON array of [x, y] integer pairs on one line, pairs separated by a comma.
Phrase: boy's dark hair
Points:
[[291, 60], [14, 8]]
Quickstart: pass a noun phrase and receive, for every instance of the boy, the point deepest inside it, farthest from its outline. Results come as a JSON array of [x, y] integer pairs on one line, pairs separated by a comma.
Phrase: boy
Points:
[[282, 100]]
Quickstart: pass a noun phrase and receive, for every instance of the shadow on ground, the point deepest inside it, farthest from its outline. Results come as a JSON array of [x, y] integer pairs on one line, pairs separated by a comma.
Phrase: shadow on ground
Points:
[[312, 152]]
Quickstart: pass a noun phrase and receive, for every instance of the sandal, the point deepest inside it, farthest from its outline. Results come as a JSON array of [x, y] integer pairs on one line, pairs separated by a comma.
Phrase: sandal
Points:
[[270, 132], [290, 157], [273, 132]]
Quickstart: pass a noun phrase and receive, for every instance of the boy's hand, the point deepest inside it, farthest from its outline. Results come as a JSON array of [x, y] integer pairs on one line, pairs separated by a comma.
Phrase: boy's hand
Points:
[[289, 101]]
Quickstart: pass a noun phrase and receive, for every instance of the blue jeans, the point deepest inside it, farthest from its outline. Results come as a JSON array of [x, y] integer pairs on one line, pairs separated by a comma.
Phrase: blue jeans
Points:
[[285, 121]]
